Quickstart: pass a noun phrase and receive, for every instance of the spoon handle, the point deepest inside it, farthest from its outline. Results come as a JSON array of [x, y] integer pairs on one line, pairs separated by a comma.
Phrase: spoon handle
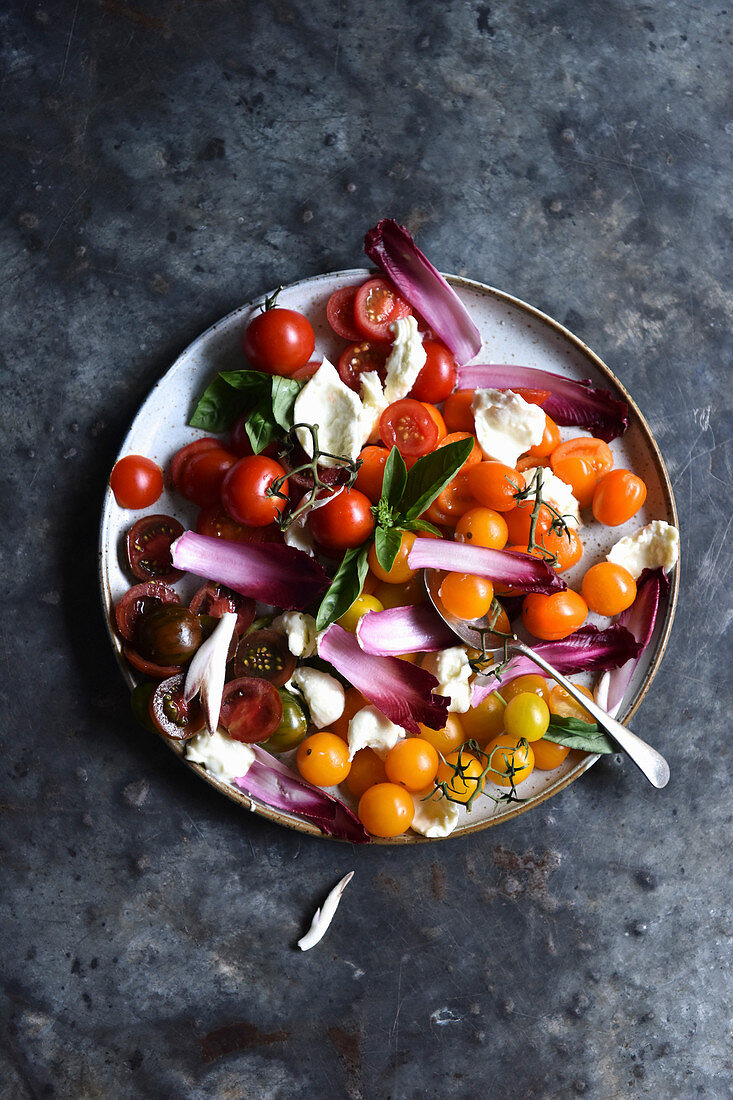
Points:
[[651, 763]]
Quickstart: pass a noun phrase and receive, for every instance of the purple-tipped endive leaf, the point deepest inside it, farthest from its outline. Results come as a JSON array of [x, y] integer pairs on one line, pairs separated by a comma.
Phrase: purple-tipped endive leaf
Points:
[[391, 248], [571, 403], [587, 650], [415, 629], [403, 692], [640, 620], [207, 670], [522, 571], [269, 572]]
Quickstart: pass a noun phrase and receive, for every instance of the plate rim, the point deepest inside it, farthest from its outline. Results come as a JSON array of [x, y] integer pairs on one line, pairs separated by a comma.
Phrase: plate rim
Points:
[[583, 765]]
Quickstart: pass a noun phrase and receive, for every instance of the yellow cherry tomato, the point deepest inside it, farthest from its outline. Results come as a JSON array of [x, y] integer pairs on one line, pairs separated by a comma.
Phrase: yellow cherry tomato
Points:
[[366, 770], [466, 596], [511, 760], [461, 770], [400, 571], [386, 810], [548, 755], [350, 618], [527, 716], [530, 682], [400, 595], [485, 721], [449, 738], [413, 763], [353, 702]]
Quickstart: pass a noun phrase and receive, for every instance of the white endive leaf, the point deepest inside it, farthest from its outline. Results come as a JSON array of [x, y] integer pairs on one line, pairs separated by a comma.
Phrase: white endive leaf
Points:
[[207, 670], [322, 917]]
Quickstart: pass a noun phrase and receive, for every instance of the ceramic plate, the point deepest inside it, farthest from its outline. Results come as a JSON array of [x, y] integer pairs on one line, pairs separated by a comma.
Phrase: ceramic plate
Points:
[[512, 332]]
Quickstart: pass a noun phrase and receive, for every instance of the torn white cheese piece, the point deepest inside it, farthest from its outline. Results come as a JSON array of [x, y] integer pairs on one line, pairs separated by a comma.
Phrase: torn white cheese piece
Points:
[[220, 754], [453, 672], [373, 404], [657, 544], [337, 411], [406, 360], [434, 817], [322, 917], [207, 671], [557, 493], [506, 424], [324, 695], [300, 630], [370, 729], [299, 535]]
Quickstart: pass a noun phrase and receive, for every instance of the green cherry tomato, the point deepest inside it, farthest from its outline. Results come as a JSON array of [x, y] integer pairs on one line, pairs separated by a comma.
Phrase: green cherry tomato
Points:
[[292, 729], [527, 715]]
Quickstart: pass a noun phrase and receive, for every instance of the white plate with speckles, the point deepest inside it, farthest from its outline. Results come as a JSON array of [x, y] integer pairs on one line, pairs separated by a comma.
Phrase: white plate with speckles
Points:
[[512, 332]]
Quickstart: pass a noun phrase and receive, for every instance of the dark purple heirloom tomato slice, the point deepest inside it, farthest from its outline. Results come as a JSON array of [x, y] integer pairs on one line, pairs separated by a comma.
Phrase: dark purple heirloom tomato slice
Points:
[[251, 709], [170, 713], [169, 635], [265, 654], [149, 548], [138, 601], [215, 599], [149, 668]]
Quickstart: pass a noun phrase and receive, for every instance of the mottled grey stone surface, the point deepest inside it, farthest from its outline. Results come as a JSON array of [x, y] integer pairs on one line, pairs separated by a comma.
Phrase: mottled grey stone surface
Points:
[[163, 162]]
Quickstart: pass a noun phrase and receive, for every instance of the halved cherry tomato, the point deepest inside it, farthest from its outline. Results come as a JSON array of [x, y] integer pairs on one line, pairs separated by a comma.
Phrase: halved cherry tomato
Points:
[[340, 313], [149, 548], [437, 377], [550, 440], [494, 485], [251, 709], [138, 601], [279, 341], [438, 418], [244, 491], [531, 462], [371, 472], [595, 451], [264, 654], [201, 478], [608, 588], [580, 474], [554, 616], [483, 527], [457, 411], [561, 702], [171, 714], [149, 668], [215, 600], [376, 305], [406, 425], [323, 759], [466, 596], [136, 481], [360, 358], [475, 455], [346, 521], [218, 524], [618, 496], [386, 810]]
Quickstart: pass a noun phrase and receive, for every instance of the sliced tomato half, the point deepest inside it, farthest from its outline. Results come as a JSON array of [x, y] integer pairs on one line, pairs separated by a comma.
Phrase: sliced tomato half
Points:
[[340, 313], [264, 654], [148, 668], [376, 306], [251, 709], [171, 714], [149, 548], [137, 601], [358, 359], [215, 599]]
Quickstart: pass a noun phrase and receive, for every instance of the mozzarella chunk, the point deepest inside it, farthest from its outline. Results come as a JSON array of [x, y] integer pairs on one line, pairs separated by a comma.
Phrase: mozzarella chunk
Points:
[[557, 493], [434, 817], [299, 535], [453, 673], [373, 404], [406, 360], [506, 424], [657, 544], [323, 693], [220, 754], [370, 729], [337, 411], [300, 630]]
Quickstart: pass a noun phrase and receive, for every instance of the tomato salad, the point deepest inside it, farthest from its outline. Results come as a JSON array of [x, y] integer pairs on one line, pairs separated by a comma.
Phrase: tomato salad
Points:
[[310, 651]]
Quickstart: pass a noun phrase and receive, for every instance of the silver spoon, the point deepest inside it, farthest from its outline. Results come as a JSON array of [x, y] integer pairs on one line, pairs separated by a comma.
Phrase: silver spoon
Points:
[[651, 763]]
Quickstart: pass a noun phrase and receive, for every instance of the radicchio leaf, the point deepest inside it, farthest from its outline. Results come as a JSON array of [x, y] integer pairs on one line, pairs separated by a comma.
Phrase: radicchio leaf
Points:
[[415, 629], [522, 571]]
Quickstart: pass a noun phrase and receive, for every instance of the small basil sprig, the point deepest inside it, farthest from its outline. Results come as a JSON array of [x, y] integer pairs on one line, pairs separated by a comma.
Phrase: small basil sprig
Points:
[[406, 495], [345, 587], [267, 398], [585, 736]]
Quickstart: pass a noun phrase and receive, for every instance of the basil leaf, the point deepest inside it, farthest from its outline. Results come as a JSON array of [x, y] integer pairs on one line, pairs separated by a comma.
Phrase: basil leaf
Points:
[[395, 478], [423, 525], [218, 407], [345, 586], [253, 380], [261, 427], [585, 736], [430, 475], [284, 393], [386, 546]]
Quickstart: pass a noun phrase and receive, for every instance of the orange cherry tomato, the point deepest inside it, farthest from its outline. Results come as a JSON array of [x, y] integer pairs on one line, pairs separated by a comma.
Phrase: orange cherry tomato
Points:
[[455, 499], [550, 440], [354, 701], [580, 474], [476, 454], [619, 495], [566, 546], [448, 739], [548, 755], [522, 685], [563, 704], [466, 596], [483, 527], [371, 472], [554, 616], [532, 397], [519, 520], [323, 759], [386, 810], [608, 589], [457, 411], [438, 418], [400, 571], [494, 485], [530, 462], [595, 451], [366, 770], [412, 763], [511, 760], [462, 771]]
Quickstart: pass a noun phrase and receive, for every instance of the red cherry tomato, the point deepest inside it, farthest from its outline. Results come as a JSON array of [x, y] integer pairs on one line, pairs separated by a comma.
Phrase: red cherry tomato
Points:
[[357, 359], [371, 472], [244, 491], [408, 426], [555, 616], [344, 522], [437, 378], [279, 341], [181, 458], [201, 478], [136, 482], [340, 313], [218, 524], [457, 411], [251, 709], [149, 548], [376, 305], [618, 496]]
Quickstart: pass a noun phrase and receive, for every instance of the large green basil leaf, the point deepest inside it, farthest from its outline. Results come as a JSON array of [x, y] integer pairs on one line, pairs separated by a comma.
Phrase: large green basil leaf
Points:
[[345, 587], [430, 475]]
